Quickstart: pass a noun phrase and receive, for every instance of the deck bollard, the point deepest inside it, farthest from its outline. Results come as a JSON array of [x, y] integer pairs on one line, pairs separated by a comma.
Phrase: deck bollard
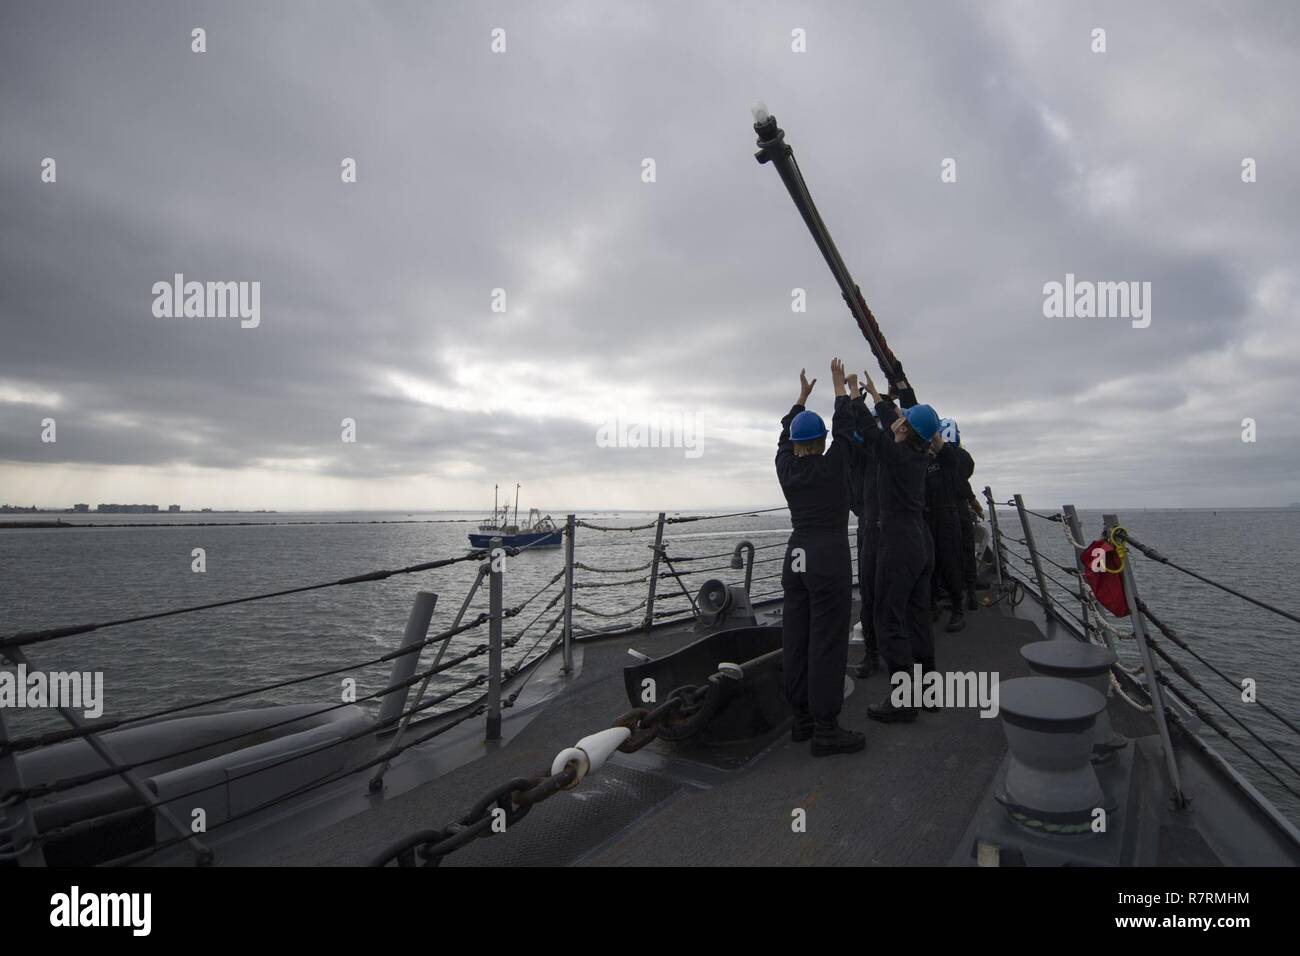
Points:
[[1085, 664], [1049, 726]]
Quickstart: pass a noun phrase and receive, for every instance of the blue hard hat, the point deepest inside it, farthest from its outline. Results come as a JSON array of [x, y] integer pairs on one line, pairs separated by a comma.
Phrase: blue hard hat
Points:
[[923, 419], [951, 434], [807, 426]]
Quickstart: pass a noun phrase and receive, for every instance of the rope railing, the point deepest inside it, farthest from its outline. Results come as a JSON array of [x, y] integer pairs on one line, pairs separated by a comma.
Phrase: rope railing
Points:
[[697, 557], [664, 575], [512, 641], [1055, 516], [594, 570], [685, 519], [580, 585], [525, 660], [518, 608], [596, 527], [677, 519], [609, 614]]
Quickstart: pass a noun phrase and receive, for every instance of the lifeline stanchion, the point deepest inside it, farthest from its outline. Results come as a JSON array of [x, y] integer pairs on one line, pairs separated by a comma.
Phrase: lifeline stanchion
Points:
[[996, 535], [496, 561], [1033, 555], [570, 528], [1154, 690], [654, 571]]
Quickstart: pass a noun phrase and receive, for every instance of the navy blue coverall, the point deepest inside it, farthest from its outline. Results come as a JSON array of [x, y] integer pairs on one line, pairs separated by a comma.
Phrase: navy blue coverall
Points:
[[941, 481], [966, 468], [817, 575], [905, 558]]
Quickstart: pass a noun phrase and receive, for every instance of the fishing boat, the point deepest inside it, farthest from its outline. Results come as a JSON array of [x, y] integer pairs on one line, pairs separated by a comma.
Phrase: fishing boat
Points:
[[539, 531]]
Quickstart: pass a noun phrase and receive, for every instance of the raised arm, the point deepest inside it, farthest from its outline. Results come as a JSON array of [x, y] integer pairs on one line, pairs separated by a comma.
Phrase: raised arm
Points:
[[842, 420], [886, 413], [784, 447]]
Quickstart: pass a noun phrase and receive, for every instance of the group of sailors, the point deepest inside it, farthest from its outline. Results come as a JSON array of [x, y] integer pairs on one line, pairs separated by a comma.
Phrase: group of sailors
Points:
[[902, 470]]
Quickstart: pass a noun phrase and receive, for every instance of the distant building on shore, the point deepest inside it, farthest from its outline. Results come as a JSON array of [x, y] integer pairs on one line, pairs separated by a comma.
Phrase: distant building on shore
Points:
[[173, 508], [115, 509], [81, 508]]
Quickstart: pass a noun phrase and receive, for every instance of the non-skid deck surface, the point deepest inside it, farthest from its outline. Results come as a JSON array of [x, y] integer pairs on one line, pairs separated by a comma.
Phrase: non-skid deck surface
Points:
[[905, 800]]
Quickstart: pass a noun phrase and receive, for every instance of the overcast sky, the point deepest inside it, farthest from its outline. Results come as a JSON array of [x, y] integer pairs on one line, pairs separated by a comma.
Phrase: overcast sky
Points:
[[667, 301]]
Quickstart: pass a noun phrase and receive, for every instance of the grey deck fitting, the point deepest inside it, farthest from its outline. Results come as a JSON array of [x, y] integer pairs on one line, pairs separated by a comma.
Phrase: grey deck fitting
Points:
[[1088, 664], [1049, 725]]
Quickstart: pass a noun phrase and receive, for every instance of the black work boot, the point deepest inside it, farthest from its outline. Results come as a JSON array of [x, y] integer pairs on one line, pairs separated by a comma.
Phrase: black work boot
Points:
[[887, 713], [830, 738], [802, 728], [868, 666], [972, 602], [956, 620]]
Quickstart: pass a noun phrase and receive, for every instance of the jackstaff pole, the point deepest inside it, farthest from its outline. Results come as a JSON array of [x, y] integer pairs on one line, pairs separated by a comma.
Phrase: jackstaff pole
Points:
[[773, 149]]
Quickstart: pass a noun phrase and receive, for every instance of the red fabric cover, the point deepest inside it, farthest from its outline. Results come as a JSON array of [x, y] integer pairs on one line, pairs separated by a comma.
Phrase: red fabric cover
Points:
[[1108, 587]]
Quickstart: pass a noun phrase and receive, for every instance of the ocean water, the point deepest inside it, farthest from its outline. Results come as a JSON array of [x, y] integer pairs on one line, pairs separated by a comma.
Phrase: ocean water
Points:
[[65, 576]]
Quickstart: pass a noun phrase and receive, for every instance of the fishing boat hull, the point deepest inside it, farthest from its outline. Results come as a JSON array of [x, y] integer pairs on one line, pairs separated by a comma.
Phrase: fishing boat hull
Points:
[[531, 539]]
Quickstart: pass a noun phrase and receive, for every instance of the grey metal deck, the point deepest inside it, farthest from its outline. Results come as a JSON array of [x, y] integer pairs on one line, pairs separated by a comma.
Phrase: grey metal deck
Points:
[[905, 800]]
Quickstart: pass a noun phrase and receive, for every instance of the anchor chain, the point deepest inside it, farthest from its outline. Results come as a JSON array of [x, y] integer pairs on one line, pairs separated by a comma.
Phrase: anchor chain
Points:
[[682, 714]]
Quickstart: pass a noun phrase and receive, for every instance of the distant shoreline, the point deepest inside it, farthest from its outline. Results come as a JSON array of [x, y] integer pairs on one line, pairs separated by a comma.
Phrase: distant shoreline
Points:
[[215, 524]]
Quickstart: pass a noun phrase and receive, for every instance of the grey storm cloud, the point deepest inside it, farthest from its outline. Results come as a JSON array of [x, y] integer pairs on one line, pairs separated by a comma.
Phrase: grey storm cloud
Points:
[[522, 171]]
